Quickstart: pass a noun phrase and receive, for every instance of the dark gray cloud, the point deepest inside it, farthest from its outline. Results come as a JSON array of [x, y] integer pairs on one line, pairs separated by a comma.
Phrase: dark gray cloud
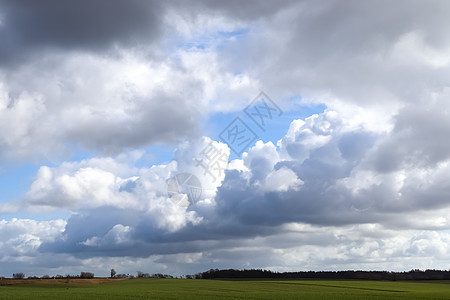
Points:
[[419, 138], [30, 27]]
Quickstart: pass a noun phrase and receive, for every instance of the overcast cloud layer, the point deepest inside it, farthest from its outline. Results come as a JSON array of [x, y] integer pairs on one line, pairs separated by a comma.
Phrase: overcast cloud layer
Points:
[[363, 185]]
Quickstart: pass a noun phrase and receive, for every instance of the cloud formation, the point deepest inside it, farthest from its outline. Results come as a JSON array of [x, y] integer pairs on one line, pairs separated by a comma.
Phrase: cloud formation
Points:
[[362, 185]]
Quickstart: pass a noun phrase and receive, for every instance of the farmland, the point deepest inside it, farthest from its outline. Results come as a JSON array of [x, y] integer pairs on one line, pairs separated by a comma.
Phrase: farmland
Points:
[[220, 289]]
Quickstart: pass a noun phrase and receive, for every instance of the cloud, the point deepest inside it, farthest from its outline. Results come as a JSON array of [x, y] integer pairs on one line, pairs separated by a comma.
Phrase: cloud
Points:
[[22, 237], [122, 211], [427, 123], [145, 102], [88, 183], [28, 28], [346, 51], [69, 106]]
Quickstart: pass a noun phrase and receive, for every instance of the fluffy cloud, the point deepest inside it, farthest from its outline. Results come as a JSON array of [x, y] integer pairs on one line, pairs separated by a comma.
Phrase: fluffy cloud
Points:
[[22, 237]]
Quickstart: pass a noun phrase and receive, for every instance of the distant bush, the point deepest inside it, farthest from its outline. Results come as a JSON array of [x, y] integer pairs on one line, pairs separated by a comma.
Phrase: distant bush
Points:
[[45, 277]]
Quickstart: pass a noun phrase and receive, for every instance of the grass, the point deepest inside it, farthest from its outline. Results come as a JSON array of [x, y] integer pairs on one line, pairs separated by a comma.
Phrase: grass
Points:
[[220, 289]]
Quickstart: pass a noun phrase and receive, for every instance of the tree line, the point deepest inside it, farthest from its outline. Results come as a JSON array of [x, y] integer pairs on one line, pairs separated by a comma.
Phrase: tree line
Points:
[[83, 275], [416, 274]]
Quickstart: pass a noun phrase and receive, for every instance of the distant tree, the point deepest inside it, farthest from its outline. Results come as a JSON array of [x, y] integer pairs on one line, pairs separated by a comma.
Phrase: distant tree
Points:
[[113, 273], [159, 275], [86, 275], [45, 277], [18, 276], [142, 274]]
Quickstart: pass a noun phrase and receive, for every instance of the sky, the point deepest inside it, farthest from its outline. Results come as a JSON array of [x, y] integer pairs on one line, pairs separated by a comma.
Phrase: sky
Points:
[[178, 136]]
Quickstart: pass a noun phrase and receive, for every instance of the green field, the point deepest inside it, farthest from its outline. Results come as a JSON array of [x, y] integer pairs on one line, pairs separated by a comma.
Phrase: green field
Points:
[[221, 289]]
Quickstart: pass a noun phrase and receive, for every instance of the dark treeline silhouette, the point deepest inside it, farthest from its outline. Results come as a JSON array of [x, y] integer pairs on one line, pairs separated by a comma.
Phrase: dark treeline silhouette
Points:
[[365, 275], [147, 275]]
